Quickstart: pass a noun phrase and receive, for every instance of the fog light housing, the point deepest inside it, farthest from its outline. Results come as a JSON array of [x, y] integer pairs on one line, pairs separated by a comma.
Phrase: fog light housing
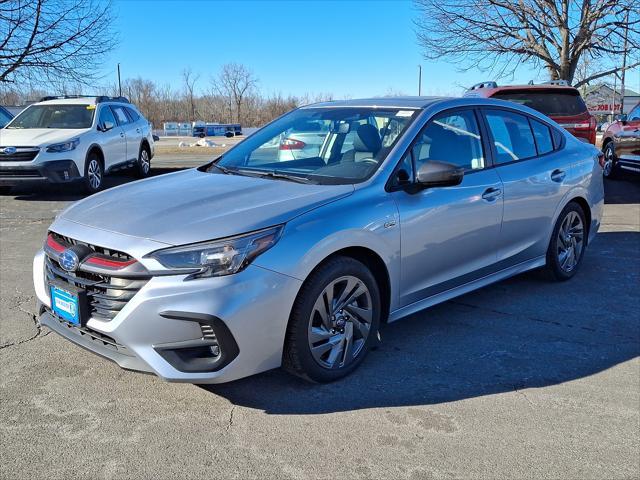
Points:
[[212, 352]]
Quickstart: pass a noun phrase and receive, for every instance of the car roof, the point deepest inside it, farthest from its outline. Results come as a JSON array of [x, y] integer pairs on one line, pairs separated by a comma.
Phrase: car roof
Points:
[[80, 100], [488, 91], [382, 102]]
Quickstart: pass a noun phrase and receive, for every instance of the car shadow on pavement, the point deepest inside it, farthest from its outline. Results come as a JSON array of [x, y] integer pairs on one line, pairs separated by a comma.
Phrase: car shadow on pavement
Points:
[[624, 190], [75, 192], [525, 332]]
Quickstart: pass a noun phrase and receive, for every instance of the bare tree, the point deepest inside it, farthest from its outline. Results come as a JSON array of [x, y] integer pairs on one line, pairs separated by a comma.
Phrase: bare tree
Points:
[[53, 41], [190, 79], [235, 82], [497, 35]]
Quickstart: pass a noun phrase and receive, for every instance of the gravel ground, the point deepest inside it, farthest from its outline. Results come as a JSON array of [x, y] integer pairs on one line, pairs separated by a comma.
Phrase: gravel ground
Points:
[[522, 379]]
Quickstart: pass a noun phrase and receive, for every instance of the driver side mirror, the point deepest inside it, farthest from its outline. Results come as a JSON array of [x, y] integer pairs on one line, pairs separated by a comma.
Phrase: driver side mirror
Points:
[[622, 117], [106, 126], [434, 173]]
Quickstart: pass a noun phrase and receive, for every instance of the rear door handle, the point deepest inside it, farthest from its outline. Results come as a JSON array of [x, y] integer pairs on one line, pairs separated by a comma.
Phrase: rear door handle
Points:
[[137, 130], [490, 194], [558, 175]]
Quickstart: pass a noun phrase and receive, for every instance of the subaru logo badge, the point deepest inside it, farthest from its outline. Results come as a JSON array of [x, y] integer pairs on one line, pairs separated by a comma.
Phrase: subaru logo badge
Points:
[[9, 150], [69, 260]]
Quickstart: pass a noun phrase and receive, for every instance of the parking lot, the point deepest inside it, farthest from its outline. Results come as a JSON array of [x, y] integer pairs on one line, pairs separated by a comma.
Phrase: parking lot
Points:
[[523, 378]]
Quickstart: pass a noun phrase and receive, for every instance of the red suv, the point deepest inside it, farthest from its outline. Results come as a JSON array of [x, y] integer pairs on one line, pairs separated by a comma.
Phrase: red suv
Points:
[[556, 99], [621, 144]]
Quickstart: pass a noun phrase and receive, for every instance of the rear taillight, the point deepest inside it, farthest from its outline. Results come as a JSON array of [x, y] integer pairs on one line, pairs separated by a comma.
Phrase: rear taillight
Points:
[[291, 144], [593, 126], [601, 159]]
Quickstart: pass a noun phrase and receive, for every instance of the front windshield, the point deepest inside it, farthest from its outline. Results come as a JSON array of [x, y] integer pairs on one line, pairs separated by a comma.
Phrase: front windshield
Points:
[[55, 116], [322, 145]]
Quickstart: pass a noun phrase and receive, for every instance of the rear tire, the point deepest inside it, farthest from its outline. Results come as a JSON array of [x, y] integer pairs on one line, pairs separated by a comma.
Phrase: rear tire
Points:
[[93, 174], [610, 169], [568, 243], [334, 321], [143, 165]]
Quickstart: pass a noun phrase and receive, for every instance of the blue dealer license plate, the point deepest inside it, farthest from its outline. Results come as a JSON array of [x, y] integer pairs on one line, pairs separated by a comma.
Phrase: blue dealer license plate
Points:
[[65, 304]]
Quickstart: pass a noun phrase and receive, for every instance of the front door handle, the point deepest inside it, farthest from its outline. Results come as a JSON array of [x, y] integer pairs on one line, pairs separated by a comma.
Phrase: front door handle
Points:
[[122, 134], [137, 130], [490, 194], [558, 175]]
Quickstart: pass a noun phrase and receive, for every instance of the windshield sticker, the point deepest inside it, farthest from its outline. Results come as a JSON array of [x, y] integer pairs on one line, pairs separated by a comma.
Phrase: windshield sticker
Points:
[[91, 107], [404, 113]]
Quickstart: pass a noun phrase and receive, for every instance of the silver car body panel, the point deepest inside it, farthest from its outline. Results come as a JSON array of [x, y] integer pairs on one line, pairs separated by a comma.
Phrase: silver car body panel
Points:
[[435, 244]]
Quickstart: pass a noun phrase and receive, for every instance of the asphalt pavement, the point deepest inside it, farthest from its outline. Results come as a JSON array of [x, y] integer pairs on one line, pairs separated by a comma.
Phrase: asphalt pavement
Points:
[[522, 379]]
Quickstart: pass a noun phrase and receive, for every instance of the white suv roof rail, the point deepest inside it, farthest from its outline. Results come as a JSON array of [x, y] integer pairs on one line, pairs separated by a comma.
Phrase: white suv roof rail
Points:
[[99, 98]]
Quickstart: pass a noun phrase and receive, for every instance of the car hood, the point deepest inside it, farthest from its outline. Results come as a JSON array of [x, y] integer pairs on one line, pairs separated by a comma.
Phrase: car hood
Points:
[[193, 206], [36, 137]]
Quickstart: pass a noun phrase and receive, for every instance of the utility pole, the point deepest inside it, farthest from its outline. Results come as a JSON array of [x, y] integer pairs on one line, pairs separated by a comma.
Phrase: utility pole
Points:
[[119, 83], [613, 97], [624, 62], [419, 80]]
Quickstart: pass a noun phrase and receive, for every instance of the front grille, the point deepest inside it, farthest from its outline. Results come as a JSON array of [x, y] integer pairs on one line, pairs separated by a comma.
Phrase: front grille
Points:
[[19, 172], [104, 251], [107, 294], [23, 154]]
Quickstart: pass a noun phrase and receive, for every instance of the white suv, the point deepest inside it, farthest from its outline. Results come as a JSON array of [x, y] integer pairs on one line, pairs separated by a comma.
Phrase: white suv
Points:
[[74, 139]]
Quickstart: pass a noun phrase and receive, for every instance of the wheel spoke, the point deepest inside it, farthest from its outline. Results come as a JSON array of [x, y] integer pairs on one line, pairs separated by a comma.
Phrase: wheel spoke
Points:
[[348, 344], [350, 285], [362, 313], [318, 334], [336, 353], [320, 350], [354, 294], [321, 308], [362, 327]]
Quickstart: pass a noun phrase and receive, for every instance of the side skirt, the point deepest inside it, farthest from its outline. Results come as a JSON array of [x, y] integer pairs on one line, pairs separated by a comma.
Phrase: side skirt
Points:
[[466, 288]]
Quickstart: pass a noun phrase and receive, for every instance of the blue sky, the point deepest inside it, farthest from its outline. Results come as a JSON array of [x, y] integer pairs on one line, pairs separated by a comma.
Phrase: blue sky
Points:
[[346, 48]]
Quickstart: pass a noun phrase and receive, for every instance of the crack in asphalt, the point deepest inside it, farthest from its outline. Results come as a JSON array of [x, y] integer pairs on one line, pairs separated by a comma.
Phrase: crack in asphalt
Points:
[[230, 421], [22, 299], [540, 320], [520, 392]]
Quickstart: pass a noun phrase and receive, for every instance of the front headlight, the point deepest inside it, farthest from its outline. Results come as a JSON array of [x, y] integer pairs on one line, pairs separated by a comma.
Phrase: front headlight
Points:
[[64, 146], [218, 257]]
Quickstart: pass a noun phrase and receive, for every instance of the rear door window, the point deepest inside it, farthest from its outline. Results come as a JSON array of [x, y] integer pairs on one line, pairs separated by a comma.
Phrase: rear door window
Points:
[[120, 115], [542, 135], [512, 136], [133, 115]]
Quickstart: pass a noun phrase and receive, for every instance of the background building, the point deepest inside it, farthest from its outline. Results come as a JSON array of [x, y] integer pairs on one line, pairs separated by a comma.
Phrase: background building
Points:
[[604, 102]]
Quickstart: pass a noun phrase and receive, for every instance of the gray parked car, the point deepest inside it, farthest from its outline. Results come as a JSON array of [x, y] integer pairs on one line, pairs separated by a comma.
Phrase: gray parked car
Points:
[[245, 264]]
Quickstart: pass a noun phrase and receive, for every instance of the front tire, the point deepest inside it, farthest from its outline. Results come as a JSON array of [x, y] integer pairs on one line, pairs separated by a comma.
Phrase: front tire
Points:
[[568, 243], [610, 169], [143, 166], [334, 321], [93, 174]]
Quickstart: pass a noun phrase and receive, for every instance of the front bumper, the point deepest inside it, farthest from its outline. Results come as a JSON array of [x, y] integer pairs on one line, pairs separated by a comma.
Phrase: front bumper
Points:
[[56, 171], [167, 314]]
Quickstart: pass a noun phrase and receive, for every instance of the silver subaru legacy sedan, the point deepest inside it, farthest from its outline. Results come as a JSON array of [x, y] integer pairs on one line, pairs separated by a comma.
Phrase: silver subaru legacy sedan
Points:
[[259, 260]]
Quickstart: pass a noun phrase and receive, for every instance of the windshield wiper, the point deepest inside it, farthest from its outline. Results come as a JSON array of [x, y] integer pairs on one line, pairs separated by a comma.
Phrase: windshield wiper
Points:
[[224, 170], [279, 175]]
